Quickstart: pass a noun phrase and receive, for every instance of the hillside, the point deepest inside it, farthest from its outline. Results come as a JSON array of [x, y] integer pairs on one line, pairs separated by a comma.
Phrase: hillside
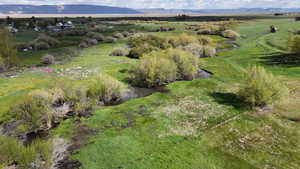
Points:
[[220, 11], [64, 9]]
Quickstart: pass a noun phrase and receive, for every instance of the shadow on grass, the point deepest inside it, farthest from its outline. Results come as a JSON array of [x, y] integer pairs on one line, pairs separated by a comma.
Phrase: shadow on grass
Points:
[[230, 99], [289, 60]]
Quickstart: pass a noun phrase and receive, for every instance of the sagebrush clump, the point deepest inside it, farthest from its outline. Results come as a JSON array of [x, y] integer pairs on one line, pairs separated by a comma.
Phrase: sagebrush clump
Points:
[[13, 151], [164, 66], [119, 52], [187, 64], [154, 70], [146, 44], [183, 40], [105, 89], [230, 34], [261, 88], [52, 42], [48, 59], [93, 35]]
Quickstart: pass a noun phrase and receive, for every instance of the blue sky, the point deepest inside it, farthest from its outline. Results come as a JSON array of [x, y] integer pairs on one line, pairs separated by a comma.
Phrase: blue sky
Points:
[[171, 4]]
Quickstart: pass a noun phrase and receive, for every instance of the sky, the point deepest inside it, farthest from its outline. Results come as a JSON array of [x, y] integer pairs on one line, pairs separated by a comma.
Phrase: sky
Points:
[[171, 4]]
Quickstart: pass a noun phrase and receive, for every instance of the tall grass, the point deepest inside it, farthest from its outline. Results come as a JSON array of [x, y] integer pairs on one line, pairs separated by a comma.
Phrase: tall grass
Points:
[[13, 151]]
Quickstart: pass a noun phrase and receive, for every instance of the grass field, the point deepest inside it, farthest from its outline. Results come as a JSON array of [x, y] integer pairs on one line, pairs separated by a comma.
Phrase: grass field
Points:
[[198, 124]]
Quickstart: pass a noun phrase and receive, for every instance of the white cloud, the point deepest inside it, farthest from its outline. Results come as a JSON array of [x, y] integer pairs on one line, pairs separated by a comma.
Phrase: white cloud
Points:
[[188, 4]]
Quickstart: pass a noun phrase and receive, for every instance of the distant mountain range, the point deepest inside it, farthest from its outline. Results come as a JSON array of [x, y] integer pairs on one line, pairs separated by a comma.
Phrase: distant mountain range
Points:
[[219, 11], [92, 9], [64, 9]]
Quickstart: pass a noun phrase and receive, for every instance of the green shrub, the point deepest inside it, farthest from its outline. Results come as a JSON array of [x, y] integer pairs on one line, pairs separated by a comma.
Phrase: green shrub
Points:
[[13, 151], [183, 40], [41, 46], [33, 112], [187, 64], [261, 88], [146, 44], [8, 52], [205, 32], [105, 89], [154, 70], [195, 49], [71, 32], [47, 39], [209, 51], [99, 37], [119, 52], [204, 40], [230, 34], [88, 42], [139, 51], [110, 39], [210, 29], [126, 34], [118, 35], [294, 44], [149, 40], [48, 59], [83, 44]]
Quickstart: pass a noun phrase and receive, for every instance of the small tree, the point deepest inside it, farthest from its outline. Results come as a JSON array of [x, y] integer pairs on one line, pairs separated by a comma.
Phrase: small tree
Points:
[[261, 88], [8, 51]]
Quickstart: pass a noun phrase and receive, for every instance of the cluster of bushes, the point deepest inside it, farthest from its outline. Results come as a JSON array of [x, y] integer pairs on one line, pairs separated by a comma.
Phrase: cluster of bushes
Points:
[[71, 32], [146, 44], [222, 29], [105, 90], [43, 42], [261, 88], [199, 46], [164, 66], [164, 29], [202, 46], [230, 34], [94, 38], [37, 112], [48, 59], [93, 35], [85, 43], [120, 52], [13, 151]]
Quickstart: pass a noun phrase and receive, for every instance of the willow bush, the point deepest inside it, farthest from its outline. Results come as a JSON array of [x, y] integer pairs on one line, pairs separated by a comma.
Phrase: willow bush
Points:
[[164, 66], [261, 88]]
